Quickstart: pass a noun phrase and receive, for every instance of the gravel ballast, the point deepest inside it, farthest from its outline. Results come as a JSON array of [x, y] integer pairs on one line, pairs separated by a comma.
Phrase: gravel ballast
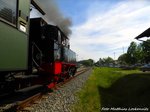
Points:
[[60, 100]]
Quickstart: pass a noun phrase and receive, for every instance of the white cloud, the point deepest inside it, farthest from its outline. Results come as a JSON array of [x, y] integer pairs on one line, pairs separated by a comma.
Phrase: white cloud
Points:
[[110, 30]]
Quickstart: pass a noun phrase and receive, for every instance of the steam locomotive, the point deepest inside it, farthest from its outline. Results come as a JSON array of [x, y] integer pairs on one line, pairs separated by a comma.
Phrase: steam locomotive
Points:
[[33, 52]]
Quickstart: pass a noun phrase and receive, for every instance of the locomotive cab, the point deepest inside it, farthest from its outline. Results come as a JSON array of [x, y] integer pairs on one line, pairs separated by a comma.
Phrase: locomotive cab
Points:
[[46, 39]]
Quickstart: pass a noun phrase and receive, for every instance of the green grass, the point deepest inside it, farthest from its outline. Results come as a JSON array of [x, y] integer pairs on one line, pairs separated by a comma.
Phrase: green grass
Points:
[[99, 89]]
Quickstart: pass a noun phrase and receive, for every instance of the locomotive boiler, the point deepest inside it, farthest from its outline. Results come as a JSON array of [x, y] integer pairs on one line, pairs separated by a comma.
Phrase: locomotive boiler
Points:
[[33, 53]]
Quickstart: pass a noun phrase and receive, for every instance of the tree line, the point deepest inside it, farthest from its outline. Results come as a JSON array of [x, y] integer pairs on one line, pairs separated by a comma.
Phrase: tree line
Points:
[[136, 54]]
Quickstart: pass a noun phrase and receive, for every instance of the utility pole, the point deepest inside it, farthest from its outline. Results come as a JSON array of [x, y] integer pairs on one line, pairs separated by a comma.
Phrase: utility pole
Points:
[[114, 55], [123, 50]]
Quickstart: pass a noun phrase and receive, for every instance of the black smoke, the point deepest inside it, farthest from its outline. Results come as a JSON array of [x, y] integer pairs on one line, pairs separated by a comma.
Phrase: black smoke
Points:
[[54, 15]]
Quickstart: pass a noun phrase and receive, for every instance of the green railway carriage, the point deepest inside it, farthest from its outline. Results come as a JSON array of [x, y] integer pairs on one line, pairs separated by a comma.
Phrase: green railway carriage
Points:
[[14, 34]]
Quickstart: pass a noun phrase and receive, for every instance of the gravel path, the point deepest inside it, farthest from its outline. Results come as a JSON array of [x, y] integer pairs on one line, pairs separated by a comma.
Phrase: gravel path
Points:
[[61, 100]]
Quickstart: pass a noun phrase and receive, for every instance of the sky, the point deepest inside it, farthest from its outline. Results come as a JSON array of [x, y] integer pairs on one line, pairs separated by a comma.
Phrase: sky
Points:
[[102, 28]]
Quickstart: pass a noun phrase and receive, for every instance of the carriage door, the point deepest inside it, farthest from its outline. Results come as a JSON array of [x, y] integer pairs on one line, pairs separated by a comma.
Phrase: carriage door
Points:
[[23, 15]]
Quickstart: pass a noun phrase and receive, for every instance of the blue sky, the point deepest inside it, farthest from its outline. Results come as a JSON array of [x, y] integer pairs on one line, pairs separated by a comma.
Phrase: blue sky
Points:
[[101, 28], [77, 10], [74, 10]]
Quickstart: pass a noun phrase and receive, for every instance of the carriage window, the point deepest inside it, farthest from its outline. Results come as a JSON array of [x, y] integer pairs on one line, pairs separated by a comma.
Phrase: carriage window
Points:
[[8, 10]]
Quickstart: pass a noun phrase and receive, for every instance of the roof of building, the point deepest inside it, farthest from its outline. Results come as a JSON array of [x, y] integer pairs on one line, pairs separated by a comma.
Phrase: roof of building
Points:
[[146, 33]]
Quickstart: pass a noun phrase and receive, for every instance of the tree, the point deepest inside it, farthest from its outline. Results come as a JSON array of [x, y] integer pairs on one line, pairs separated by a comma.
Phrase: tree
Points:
[[146, 51], [132, 54], [106, 61], [139, 53], [88, 62], [136, 53], [123, 59]]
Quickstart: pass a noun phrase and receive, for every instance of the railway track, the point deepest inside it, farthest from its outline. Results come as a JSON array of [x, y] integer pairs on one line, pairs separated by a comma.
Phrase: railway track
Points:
[[27, 102]]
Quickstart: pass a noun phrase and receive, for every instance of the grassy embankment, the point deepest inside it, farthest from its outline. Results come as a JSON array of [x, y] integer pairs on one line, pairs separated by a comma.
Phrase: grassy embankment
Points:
[[108, 87]]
